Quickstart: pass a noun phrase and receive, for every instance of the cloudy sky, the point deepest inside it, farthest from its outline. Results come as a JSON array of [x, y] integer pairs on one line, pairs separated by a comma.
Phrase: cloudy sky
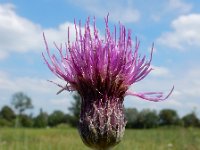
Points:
[[173, 26]]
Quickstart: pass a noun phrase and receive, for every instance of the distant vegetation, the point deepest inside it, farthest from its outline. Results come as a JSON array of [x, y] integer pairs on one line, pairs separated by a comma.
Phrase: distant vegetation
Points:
[[16, 117], [67, 138]]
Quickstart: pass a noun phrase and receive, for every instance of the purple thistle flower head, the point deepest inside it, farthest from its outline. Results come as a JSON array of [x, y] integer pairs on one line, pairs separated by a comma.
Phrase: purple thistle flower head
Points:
[[101, 71]]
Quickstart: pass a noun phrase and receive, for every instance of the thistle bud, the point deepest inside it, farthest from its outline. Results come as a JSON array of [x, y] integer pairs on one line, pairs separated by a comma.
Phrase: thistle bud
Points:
[[102, 123], [101, 71]]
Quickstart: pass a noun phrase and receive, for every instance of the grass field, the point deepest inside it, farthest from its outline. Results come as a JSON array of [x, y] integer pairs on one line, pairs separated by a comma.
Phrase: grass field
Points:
[[68, 139]]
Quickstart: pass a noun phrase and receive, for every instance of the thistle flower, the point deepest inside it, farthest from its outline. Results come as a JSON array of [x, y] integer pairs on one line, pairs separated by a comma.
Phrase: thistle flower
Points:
[[101, 71]]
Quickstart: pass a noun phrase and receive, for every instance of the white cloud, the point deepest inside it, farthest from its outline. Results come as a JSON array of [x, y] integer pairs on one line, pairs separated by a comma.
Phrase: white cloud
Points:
[[42, 92], [160, 71], [123, 11], [184, 98], [179, 5], [185, 33], [60, 102], [170, 8], [191, 83], [27, 84], [18, 34], [3, 55]]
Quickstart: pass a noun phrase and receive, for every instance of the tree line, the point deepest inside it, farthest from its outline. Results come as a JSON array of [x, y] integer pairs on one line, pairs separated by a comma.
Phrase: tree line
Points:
[[16, 117]]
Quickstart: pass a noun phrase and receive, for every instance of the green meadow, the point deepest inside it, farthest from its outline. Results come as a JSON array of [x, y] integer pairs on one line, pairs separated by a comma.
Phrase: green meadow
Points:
[[68, 139]]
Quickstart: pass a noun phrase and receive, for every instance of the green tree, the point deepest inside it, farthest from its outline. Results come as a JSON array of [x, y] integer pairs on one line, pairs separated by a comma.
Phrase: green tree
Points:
[[57, 117], [7, 113], [76, 106], [21, 102], [75, 110], [191, 120], [168, 117], [147, 119], [131, 117], [26, 121], [41, 120], [5, 123]]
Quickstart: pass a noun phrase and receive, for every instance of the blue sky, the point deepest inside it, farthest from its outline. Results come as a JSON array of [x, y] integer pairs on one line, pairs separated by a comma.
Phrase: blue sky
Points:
[[173, 25]]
